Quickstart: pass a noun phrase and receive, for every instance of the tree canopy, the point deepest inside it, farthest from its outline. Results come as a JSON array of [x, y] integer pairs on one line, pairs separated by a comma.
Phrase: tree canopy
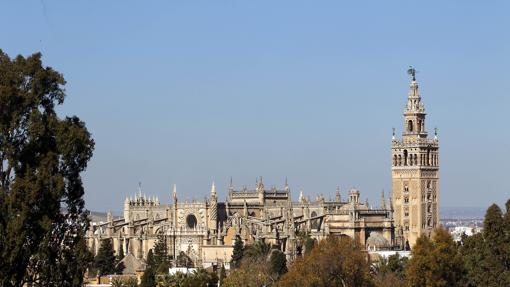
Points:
[[105, 260], [333, 262], [42, 215]]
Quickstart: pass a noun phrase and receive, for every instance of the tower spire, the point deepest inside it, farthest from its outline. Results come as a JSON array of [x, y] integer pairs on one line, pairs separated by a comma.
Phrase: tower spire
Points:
[[213, 189], [383, 201], [174, 193]]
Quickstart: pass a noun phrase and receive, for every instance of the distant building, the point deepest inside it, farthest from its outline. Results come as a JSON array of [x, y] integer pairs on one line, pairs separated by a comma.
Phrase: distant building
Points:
[[205, 230]]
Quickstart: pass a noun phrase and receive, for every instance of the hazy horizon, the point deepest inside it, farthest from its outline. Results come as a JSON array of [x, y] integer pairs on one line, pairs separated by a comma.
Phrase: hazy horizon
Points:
[[188, 93]]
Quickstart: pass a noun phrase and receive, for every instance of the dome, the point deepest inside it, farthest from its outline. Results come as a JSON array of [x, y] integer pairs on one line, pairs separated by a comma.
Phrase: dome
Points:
[[376, 241]]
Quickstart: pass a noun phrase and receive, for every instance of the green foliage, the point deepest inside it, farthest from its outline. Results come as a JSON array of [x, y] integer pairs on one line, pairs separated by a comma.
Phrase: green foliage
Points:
[[237, 253], [42, 216], [309, 244], [333, 262], [161, 258], [200, 277], [149, 275], [104, 262], [183, 260], [119, 266], [487, 255], [258, 249], [435, 262], [223, 274], [393, 266], [278, 262]]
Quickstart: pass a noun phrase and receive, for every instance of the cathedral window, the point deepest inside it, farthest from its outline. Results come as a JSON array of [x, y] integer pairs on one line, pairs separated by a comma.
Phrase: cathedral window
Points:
[[399, 160], [191, 221], [410, 126], [406, 199], [394, 160], [405, 157]]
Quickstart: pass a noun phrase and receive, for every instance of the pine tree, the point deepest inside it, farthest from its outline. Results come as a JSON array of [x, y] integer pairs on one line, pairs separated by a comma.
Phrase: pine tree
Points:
[[149, 275], [42, 216], [238, 252], [278, 262], [119, 265], [105, 258], [161, 255]]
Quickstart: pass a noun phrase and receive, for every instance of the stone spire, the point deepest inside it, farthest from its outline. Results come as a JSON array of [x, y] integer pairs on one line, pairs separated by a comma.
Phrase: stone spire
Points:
[[301, 198], [338, 197], [383, 201], [213, 190], [174, 193], [286, 185], [213, 212], [260, 185], [231, 185]]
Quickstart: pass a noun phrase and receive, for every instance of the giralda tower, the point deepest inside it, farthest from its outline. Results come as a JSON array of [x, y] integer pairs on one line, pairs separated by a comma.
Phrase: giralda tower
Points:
[[415, 173]]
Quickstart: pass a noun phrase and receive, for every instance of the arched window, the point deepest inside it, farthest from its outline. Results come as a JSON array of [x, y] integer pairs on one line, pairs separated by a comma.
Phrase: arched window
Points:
[[419, 126], [405, 157], [399, 160], [191, 221], [410, 126], [394, 160], [415, 159]]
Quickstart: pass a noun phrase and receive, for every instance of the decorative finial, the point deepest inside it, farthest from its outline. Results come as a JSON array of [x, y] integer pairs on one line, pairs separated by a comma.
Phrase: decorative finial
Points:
[[393, 134], [213, 189], [435, 133], [412, 72], [140, 189], [383, 201], [174, 193]]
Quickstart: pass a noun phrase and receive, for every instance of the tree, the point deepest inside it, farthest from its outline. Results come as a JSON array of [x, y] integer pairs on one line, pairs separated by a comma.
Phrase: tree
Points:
[[199, 277], [391, 271], [161, 255], [254, 272], [42, 216], [278, 263], [256, 250], [435, 262], [223, 274], [237, 253], [149, 275], [487, 255], [183, 260], [119, 265], [333, 262], [104, 262]]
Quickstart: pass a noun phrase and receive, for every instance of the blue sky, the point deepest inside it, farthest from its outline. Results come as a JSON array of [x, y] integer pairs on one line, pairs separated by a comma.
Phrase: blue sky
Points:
[[188, 92]]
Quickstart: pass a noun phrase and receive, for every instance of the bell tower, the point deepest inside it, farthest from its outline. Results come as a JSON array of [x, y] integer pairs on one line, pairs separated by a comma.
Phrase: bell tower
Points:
[[415, 172]]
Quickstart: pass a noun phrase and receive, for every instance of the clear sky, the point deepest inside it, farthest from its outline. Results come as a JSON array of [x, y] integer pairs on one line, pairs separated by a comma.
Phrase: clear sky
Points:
[[190, 92]]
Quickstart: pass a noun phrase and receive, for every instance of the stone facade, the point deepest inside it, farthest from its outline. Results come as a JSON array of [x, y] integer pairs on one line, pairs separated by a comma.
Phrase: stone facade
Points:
[[205, 230], [415, 174]]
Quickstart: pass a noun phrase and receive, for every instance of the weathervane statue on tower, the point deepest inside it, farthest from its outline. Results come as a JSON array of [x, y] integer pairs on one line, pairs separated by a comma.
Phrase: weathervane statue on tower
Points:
[[412, 71]]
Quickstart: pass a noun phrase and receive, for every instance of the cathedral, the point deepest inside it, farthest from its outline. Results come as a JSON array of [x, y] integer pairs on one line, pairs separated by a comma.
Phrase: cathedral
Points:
[[205, 231]]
